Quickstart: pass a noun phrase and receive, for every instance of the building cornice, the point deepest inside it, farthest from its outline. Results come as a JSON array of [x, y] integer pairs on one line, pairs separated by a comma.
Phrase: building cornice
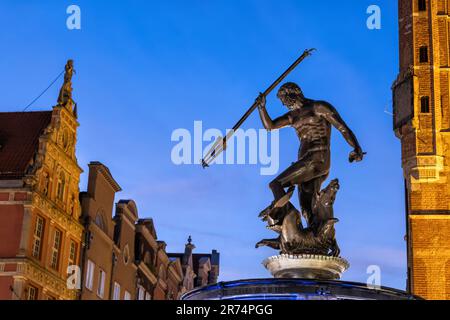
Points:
[[173, 271], [47, 207], [96, 230], [28, 269], [107, 175], [147, 236], [148, 273]]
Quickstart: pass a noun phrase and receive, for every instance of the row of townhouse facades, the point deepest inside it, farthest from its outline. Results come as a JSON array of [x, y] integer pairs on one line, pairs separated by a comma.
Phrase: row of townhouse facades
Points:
[[57, 243]]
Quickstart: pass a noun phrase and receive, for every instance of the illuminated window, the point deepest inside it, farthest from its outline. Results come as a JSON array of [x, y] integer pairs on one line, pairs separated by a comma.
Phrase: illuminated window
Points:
[[32, 293], [72, 253], [141, 293], [127, 296], [90, 274], [56, 247], [116, 294], [101, 284], [37, 237]]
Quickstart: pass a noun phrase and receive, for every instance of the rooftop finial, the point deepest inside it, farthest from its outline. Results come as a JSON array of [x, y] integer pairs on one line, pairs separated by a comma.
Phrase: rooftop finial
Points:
[[190, 240], [65, 94]]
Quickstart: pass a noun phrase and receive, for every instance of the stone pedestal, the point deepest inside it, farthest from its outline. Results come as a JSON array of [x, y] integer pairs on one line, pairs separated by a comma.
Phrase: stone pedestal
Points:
[[313, 267]]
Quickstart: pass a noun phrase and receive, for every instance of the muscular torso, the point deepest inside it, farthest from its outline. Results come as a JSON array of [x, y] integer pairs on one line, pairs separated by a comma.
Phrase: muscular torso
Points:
[[313, 131]]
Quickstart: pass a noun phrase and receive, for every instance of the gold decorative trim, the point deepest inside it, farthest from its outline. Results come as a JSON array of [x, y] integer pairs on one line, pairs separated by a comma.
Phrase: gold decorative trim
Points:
[[29, 270], [67, 222]]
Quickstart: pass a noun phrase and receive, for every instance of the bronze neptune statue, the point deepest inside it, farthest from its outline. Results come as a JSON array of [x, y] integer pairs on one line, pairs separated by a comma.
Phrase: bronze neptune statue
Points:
[[312, 121]]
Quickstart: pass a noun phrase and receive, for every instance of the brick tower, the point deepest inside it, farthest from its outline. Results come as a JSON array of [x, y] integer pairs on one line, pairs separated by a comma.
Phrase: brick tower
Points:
[[422, 123]]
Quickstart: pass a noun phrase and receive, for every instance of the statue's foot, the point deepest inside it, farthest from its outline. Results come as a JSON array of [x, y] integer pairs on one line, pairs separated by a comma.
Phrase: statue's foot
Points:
[[276, 227], [265, 213], [271, 243], [280, 203]]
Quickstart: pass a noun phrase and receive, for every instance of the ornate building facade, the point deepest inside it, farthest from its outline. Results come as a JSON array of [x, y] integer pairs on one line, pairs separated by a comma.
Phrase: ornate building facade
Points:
[[57, 243], [39, 208], [422, 122]]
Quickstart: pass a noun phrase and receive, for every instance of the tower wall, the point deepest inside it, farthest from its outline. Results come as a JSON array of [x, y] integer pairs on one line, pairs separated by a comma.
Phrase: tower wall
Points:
[[422, 123]]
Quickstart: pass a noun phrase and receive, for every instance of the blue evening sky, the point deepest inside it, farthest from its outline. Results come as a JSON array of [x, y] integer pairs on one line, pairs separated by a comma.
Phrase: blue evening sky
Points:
[[145, 68]]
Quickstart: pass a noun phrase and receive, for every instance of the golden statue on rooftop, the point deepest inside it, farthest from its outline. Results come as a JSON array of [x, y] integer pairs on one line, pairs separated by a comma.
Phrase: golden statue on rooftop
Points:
[[65, 94]]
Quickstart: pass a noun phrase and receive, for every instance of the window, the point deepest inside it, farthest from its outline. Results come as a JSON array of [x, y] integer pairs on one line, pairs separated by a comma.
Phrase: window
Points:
[[37, 237], [148, 296], [32, 293], [60, 187], [423, 56], [101, 284], [116, 295], [72, 253], [90, 274], [54, 263], [99, 221], [425, 104], [422, 5], [141, 293], [127, 296]]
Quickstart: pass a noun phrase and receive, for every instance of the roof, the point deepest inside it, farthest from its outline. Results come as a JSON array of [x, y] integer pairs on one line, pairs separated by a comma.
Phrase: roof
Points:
[[196, 257], [19, 140], [107, 174], [150, 225]]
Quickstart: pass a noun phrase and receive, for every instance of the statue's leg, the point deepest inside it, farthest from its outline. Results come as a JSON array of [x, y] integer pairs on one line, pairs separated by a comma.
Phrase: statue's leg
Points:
[[289, 177], [306, 194], [296, 174], [300, 172], [278, 189]]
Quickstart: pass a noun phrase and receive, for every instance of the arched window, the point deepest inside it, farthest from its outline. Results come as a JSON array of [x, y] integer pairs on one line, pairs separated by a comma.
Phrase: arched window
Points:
[[61, 186], [99, 221]]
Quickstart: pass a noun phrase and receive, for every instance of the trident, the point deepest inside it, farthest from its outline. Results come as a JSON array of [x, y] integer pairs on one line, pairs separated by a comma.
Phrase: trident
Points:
[[220, 144]]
